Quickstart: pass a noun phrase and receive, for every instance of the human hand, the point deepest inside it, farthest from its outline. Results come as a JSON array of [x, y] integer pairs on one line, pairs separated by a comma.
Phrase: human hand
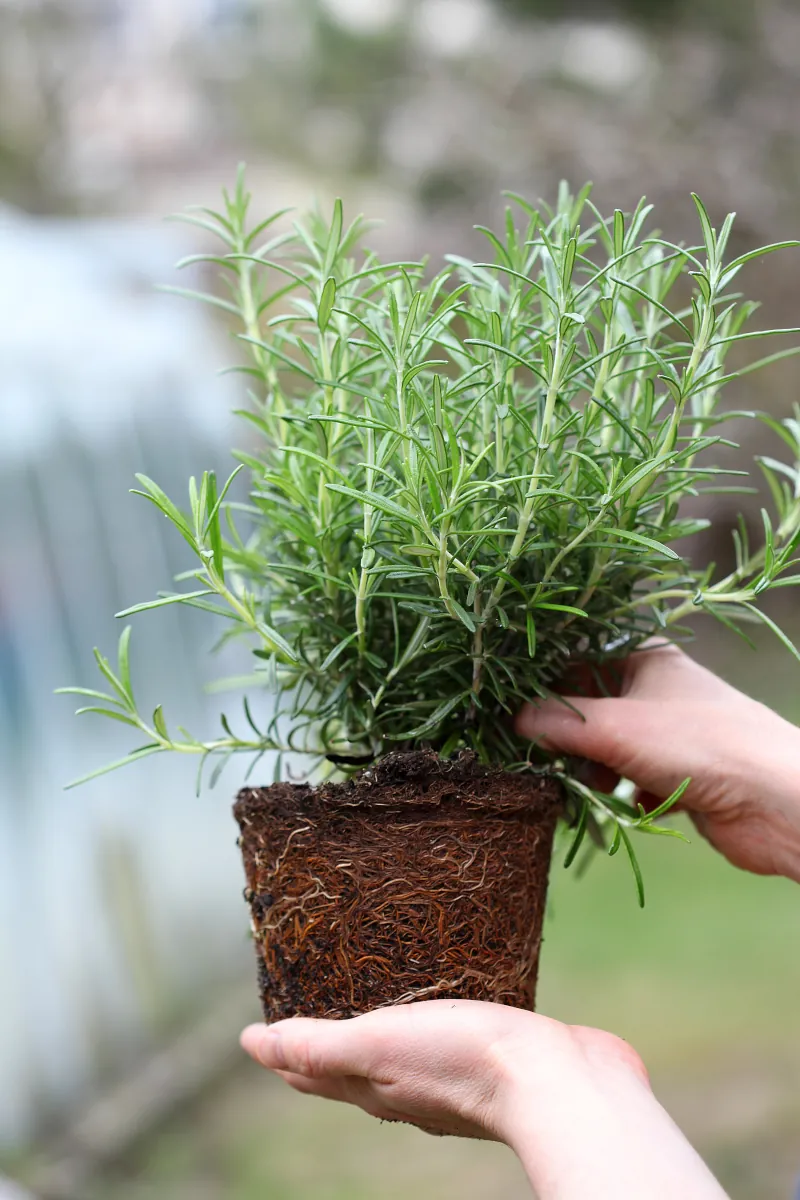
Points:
[[574, 1103], [673, 719]]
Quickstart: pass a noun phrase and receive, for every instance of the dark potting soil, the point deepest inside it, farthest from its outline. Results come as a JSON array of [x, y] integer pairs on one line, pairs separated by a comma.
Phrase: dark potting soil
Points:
[[420, 878]]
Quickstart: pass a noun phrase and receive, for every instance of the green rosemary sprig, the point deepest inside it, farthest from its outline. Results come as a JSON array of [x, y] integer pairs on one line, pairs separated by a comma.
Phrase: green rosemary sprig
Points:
[[461, 484]]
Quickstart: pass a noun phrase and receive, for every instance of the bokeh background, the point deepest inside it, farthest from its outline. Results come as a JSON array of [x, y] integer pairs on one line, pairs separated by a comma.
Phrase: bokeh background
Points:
[[125, 969]]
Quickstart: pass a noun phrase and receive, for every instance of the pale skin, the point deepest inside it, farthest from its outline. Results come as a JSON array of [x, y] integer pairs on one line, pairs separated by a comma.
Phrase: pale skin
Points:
[[573, 1103]]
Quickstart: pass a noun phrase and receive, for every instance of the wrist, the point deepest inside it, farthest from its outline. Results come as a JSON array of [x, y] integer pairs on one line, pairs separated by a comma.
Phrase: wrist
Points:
[[585, 1123], [564, 1125], [551, 1081]]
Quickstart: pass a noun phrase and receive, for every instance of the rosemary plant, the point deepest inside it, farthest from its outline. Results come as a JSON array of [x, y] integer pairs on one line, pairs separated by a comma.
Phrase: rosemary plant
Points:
[[462, 483]]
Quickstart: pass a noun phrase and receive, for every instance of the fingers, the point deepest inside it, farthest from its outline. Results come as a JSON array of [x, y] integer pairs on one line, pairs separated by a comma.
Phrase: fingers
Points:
[[590, 679], [346, 1089], [611, 730], [423, 1063], [585, 727], [669, 722], [365, 1046], [656, 664], [327, 1089], [617, 676], [635, 738], [596, 776], [312, 1049], [649, 801]]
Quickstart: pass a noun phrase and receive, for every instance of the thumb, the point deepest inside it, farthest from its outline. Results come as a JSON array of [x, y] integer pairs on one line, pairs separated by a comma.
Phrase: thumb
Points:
[[311, 1047], [591, 728]]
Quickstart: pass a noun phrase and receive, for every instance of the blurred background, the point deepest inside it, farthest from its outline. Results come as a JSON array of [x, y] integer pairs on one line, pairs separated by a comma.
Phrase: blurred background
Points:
[[125, 969]]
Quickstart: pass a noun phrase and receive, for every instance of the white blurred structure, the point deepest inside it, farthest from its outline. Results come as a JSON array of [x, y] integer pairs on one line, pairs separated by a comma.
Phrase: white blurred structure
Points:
[[12, 1191], [120, 901]]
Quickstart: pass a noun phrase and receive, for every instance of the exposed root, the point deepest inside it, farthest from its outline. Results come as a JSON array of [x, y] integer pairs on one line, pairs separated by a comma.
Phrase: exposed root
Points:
[[420, 878]]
